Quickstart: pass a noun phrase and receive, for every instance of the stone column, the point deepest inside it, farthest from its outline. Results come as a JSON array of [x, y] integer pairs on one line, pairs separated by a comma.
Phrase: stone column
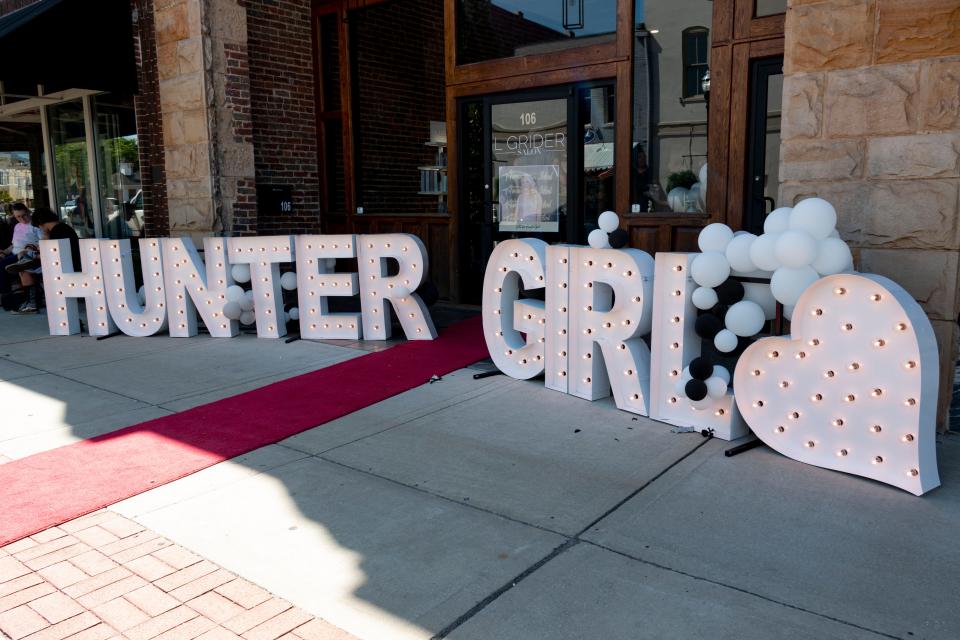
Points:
[[871, 122], [205, 105]]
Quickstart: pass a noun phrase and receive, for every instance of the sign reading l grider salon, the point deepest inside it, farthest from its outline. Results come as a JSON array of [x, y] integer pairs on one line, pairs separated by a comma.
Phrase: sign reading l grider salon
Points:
[[854, 389]]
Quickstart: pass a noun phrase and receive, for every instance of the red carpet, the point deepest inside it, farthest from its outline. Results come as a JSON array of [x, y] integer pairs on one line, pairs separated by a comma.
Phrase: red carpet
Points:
[[53, 487]]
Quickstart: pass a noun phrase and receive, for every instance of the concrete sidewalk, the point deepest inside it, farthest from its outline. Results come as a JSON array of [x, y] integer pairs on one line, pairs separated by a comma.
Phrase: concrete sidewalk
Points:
[[490, 508]]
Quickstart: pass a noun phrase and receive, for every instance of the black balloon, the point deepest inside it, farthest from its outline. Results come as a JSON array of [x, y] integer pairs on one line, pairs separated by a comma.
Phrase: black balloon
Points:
[[695, 389], [730, 291], [708, 326], [618, 238], [720, 311], [701, 368]]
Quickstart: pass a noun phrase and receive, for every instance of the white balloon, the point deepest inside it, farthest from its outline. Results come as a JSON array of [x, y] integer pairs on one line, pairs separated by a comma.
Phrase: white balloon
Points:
[[788, 311], [704, 298], [677, 199], [716, 387], [247, 317], [834, 234], [763, 251], [232, 310], [240, 272], [288, 281], [714, 237], [745, 318], [725, 341], [235, 293], [760, 293], [598, 239], [833, 256], [286, 318], [246, 304], [142, 295], [685, 376], [294, 313], [796, 248], [738, 253], [788, 283], [608, 221], [721, 372], [710, 269], [816, 216], [778, 221]]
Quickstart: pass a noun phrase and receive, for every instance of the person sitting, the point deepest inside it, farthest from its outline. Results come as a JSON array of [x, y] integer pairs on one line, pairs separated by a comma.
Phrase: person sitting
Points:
[[49, 224], [24, 236]]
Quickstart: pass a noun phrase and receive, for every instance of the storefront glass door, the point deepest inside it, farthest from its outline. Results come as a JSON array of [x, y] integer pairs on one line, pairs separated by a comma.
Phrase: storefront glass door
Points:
[[533, 164], [68, 143], [529, 155]]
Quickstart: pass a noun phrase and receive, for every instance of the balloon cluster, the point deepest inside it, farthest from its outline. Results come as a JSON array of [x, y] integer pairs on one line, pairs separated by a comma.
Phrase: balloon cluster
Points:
[[240, 304], [703, 382], [609, 235], [799, 245]]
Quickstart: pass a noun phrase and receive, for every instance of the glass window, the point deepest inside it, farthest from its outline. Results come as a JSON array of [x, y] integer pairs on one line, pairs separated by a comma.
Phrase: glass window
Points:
[[68, 141], [490, 29], [118, 160], [671, 53], [769, 7], [16, 182], [695, 51], [597, 111], [400, 160]]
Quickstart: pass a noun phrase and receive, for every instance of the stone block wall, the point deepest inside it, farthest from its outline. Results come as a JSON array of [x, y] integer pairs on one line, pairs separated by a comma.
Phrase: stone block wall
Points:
[[183, 99], [871, 122]]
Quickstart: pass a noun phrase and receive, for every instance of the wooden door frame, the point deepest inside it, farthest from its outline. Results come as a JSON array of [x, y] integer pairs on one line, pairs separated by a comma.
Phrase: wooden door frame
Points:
[[738, 38]]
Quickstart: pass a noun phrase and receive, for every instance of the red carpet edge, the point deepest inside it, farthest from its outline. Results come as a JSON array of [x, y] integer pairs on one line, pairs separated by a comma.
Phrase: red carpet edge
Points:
[[53, 487]]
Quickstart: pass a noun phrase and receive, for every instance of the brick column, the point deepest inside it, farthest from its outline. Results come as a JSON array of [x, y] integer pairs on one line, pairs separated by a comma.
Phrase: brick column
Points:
[[205, 104], [871, 122]]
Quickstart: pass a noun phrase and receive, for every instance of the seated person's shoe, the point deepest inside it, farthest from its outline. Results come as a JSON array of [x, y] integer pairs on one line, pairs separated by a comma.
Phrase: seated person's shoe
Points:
[[23, 264], [26, 308]]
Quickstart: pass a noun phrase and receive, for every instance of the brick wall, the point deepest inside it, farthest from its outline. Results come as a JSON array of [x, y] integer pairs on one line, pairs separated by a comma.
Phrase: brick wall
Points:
[[150, 123], [279, 42], [871, 122], [398, 48]]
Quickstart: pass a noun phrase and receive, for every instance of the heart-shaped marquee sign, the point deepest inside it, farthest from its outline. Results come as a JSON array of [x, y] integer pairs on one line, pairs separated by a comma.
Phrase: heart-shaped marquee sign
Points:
[[854, 388]]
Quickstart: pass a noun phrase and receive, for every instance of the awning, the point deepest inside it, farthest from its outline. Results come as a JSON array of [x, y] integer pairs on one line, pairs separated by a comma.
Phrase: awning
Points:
[[63, 44]]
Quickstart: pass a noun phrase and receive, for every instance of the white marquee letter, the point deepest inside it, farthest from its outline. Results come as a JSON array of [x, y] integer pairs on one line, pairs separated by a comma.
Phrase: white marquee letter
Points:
[[316, 283], [675, 344], [191, 289], [264, 255], [610, 300], [63, 287], [505, 317], [131, 317], [376, 288]]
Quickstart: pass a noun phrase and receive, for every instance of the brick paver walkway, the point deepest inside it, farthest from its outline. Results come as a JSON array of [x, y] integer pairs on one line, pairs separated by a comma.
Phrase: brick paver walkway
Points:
[[104, 576]]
